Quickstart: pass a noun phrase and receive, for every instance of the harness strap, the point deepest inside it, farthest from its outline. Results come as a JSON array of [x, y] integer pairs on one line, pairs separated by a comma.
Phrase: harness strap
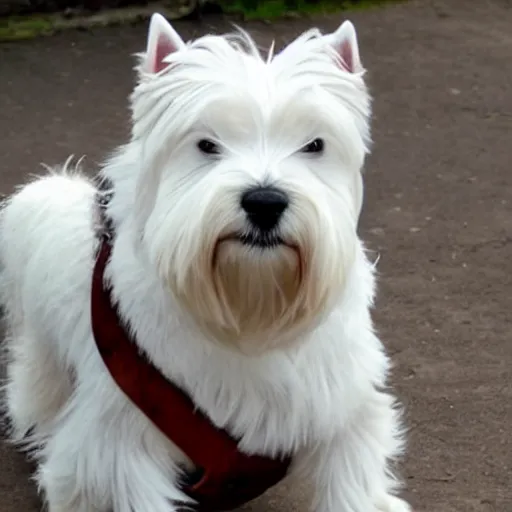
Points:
[[225, 477]]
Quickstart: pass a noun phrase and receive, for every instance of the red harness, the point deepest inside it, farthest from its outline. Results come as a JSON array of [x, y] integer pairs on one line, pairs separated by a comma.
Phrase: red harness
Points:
[[226, 477]]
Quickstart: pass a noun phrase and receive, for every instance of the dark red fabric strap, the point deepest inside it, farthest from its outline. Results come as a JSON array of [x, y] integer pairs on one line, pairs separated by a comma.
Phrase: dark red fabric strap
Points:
[[229, 478]]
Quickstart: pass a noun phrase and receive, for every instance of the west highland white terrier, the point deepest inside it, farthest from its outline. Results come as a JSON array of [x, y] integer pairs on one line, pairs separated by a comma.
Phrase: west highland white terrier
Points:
[[195, 325]]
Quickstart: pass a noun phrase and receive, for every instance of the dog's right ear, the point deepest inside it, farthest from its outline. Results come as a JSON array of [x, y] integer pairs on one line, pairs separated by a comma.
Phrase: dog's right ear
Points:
[[344, 41], [162, 41]]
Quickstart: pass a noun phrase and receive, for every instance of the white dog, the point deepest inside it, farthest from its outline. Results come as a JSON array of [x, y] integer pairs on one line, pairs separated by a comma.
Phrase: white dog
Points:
[[235, 267]]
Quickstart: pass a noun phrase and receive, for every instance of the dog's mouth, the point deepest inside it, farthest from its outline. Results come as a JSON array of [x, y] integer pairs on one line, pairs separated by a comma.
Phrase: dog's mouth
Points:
[[261, 240]]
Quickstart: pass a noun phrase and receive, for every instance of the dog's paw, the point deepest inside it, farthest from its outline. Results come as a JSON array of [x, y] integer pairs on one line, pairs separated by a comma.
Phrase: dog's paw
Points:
[[391, 503]]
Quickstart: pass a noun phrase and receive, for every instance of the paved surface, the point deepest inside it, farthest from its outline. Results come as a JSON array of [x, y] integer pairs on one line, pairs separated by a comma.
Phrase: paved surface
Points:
[[438, 210]]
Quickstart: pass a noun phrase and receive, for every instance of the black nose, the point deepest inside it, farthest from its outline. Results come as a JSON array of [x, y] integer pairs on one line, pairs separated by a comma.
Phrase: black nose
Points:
[[264, 206]]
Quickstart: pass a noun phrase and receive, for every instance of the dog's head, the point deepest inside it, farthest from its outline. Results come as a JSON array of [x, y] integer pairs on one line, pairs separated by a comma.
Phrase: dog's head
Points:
[[250, 185]]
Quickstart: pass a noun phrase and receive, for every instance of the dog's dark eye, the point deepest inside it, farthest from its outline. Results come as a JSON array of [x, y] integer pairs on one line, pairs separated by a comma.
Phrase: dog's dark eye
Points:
[[315, 146], [208, 147]]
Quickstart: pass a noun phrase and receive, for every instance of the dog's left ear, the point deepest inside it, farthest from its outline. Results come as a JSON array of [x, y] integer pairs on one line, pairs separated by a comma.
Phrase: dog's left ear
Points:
[[162, 41], [344, 41]]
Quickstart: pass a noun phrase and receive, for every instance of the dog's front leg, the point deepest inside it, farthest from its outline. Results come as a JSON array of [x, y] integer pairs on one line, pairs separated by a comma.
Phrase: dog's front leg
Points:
[[104, 456], [350, 471]]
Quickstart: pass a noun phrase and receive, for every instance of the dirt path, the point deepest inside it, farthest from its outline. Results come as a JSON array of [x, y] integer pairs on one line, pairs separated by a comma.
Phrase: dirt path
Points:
[[438, 210]]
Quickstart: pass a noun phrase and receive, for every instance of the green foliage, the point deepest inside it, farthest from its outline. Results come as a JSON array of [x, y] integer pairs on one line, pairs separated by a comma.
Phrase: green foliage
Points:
[[272, 9], [15, 28]]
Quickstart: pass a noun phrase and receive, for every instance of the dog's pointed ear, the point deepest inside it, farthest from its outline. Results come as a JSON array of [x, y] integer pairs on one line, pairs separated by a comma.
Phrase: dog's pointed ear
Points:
[[162, 41], [344, 41]]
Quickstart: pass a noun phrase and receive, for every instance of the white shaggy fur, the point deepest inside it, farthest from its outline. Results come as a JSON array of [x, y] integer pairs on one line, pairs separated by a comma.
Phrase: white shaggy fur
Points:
[[276, 344]]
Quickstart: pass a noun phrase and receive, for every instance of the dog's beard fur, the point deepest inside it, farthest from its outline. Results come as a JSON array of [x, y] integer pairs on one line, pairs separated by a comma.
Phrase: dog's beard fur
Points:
[[240, 294], [256, 298]]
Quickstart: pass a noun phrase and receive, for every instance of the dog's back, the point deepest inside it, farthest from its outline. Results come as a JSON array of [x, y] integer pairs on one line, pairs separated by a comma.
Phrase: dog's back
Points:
[[47, 245]]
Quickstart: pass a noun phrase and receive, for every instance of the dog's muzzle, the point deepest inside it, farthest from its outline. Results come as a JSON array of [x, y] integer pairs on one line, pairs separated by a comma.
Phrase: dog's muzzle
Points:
[[264, 207]]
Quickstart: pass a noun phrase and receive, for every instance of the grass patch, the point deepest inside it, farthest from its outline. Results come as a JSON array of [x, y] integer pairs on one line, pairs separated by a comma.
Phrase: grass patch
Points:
[[16, 28], [273, 9]]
